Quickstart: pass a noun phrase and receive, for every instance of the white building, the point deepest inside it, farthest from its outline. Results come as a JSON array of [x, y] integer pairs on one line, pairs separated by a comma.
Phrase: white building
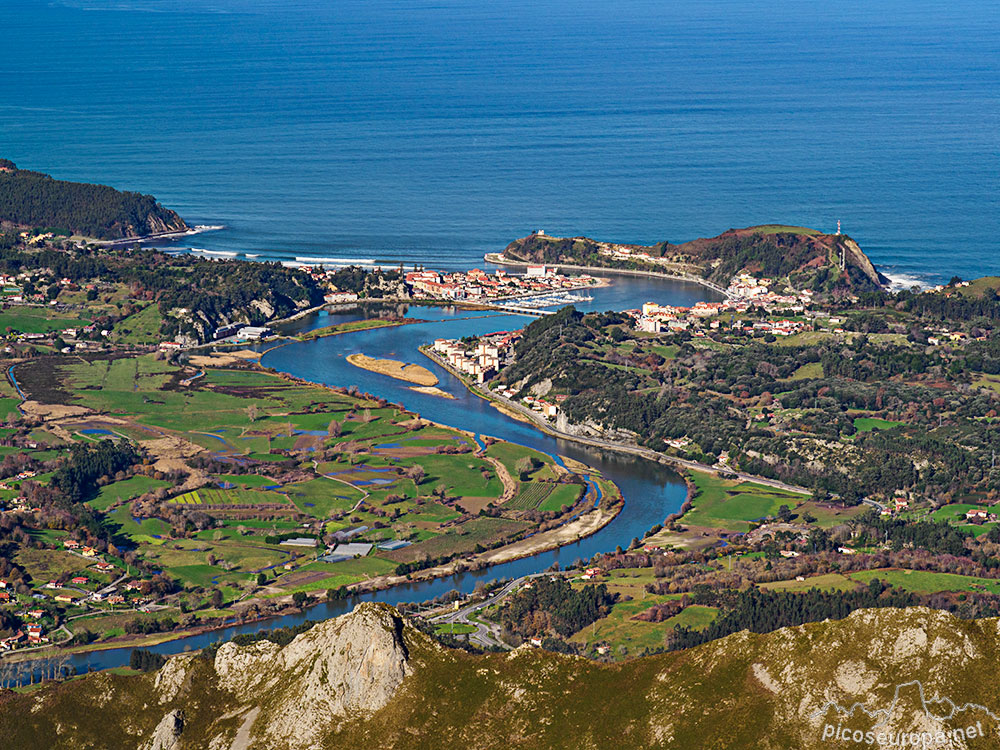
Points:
[[252, 333], [537, 271]]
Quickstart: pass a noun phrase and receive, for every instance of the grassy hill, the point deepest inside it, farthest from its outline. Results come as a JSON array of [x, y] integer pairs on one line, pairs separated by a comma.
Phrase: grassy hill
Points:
[[810, 259], [37, 201], [372, 680]]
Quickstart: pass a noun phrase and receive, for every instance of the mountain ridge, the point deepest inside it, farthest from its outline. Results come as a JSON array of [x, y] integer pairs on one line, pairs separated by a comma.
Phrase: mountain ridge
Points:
[[371, 678]]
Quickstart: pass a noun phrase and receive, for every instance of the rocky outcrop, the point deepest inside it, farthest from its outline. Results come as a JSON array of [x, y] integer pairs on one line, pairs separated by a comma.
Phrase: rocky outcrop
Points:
[[167, 733], [347, 667], [370, 680], [856, 257]]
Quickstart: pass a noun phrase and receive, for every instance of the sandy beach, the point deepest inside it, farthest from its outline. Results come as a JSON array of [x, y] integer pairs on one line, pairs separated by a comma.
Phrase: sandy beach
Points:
[[394, 369]]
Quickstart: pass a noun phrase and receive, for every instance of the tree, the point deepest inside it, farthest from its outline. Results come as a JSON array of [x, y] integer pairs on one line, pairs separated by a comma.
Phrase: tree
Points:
[[261, 579], [334, 429], [144, 660], [416, 473], [299, 598], [216, 599], [523, 467], [252, 412]]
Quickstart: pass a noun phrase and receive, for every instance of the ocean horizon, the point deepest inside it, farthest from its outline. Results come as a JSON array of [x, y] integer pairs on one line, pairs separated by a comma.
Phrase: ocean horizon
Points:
[[434, 132]]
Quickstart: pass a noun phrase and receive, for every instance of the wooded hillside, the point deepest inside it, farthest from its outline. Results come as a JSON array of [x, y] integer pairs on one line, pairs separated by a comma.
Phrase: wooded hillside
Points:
[[36, 200]]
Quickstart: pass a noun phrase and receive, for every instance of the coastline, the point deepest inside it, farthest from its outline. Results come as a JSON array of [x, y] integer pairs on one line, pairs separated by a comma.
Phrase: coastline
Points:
[[172, 235], [500, 260]]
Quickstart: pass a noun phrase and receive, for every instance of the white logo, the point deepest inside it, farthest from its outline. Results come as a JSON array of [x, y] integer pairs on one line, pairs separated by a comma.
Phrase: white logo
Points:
[[937, 709]]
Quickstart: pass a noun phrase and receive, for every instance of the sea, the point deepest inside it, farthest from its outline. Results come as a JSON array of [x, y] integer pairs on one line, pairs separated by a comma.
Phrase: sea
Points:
[[429, 132]]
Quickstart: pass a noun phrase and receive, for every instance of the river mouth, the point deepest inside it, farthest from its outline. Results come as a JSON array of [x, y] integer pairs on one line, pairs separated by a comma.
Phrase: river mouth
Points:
[[651, 490]]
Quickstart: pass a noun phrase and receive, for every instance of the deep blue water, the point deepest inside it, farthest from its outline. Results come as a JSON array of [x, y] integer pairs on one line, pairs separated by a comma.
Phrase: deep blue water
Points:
[[436, 130]]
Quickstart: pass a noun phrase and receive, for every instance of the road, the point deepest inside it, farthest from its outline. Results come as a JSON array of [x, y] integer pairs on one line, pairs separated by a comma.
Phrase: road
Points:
[[486, 633], [874, 504]]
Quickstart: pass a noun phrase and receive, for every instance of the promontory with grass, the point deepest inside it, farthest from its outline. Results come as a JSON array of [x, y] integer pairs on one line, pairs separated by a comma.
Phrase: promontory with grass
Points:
[[810, 259]]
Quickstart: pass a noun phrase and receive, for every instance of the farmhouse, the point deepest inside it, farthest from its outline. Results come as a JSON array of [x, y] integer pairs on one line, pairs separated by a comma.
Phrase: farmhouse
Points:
[[976, 515]]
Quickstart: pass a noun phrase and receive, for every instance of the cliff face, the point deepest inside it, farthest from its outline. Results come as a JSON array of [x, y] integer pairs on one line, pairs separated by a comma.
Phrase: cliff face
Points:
[[822, 262], [369, 680], [348, 667]]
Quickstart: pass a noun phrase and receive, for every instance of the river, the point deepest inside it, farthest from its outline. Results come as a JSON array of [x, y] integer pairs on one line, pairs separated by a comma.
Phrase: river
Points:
[[652, 491]]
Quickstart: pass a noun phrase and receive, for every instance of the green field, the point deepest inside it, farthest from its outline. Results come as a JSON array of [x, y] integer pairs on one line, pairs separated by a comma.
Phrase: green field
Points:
[[954, 512], [563, 494], [321, 497], [695, 617], [666, 351], [454, 628], [808, 371], [720, 503], [619, 629], [38, 320], [827, 582], [783, 228], [140, 328], [928, 582], [509, 454], [127, 489], [867, 424], [320, 576], [246, 480]]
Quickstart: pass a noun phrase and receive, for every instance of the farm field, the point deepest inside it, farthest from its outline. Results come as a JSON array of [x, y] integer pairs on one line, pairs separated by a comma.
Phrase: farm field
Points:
[[721, 503], [867, 424], [563, 494], [926, 582], [631, 637], [38, 320], [223, 468], [826, 582], [125, 490]]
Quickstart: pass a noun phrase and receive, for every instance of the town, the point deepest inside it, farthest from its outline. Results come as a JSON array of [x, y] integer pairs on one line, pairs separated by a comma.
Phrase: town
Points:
[[477, 285], [744, 294], [481, 360]]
